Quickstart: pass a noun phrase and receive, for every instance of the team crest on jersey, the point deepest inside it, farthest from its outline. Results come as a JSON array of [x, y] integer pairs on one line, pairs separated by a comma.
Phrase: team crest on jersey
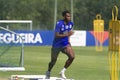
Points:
[[62, 26], [57, 22], [70, 26], [66, 26], [62, 29]]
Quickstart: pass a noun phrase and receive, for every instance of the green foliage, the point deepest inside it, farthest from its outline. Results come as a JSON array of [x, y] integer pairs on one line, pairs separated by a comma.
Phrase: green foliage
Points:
[[41, 12]]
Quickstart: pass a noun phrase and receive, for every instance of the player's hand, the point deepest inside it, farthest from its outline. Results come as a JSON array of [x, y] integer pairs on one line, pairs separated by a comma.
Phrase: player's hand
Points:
[[70, 33]]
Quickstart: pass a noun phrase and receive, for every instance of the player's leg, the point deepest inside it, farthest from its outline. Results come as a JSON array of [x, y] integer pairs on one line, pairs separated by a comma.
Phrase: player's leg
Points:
[[70, 53], [54, 55]]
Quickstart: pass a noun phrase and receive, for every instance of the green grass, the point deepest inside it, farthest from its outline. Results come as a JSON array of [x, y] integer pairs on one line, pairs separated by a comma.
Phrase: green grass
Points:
[[88, 64]]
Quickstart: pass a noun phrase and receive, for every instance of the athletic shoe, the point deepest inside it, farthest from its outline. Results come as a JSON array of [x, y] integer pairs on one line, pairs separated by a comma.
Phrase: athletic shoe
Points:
[[47, 75], [62, 75]]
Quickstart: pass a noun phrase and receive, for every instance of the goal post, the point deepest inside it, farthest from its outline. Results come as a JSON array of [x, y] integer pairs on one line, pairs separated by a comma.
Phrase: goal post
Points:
[[16, 22], [11, 54]]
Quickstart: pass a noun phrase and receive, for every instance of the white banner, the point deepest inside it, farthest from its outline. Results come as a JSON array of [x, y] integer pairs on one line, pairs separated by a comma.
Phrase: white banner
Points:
[[78, 38]]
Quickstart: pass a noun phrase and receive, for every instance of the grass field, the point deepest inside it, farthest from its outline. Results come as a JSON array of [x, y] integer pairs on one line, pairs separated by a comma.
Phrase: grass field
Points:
[[88, 64]]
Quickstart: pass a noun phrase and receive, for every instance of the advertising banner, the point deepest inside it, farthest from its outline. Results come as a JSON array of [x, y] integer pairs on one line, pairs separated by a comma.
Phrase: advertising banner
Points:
[[29, 38], [78, 38], [45, 38], [90, 38]]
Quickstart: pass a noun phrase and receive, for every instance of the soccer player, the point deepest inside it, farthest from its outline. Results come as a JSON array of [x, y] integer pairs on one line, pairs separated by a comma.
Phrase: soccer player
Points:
[[61, 43]]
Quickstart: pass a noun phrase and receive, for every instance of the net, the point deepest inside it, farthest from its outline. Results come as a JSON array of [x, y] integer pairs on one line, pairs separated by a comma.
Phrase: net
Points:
[[11, 52]]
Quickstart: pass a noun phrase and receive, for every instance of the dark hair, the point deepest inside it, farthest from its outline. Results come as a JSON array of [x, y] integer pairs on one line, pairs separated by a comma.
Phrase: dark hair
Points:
[[64, 12]]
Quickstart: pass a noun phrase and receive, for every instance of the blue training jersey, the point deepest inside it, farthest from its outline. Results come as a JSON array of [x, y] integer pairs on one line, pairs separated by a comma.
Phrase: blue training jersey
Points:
[[62, 28]]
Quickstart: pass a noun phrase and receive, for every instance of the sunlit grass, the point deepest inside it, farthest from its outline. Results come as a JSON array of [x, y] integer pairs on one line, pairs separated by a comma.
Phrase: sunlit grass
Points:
[[88, 64]]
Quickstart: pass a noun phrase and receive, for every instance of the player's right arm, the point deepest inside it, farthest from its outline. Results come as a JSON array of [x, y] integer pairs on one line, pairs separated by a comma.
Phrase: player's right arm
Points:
[[57, 35]]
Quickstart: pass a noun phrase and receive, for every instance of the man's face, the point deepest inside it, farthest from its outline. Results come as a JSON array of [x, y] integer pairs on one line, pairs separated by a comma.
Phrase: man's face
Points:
[[67, 17]]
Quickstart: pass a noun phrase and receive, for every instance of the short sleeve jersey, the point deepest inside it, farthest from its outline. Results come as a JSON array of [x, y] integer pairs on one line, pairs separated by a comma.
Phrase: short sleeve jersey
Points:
[[62, 28]]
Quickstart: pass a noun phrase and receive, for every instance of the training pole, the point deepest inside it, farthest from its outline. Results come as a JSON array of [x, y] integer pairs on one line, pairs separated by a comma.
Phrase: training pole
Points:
[[98, 24], [114, 45]]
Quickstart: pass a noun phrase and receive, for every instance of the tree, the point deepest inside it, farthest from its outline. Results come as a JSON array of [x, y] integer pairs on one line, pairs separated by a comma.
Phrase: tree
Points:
[[41, 12]]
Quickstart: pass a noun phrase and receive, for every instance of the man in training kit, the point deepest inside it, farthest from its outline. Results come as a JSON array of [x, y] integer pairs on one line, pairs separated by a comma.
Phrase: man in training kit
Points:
[[61, 43]]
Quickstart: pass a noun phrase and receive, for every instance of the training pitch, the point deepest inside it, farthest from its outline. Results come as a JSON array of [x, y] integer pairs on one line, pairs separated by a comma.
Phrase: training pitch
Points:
[[88, 64]]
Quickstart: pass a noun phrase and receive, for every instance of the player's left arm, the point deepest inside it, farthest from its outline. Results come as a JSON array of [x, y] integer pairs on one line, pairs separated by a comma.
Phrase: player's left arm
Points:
[[71, 32]]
